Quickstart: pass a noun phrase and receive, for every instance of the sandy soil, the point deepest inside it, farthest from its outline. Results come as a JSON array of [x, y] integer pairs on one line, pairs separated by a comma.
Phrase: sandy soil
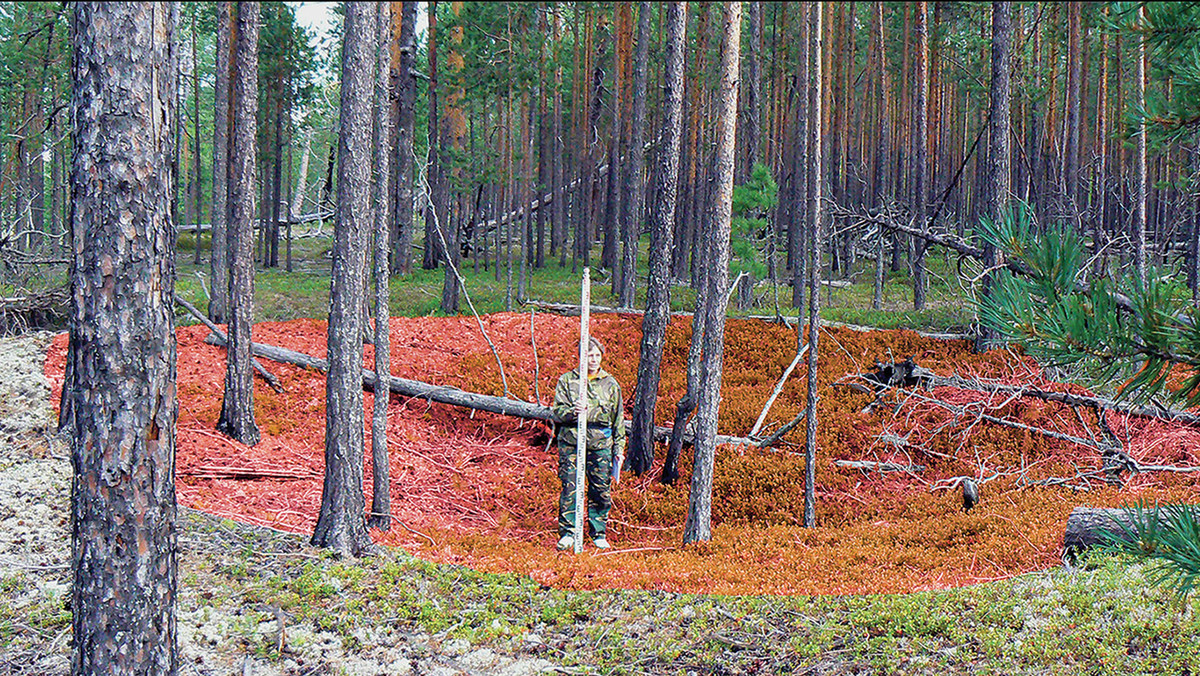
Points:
[[218, 633]]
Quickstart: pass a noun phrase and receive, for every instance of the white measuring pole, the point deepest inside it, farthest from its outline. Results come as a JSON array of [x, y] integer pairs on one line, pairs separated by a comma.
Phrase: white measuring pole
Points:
[[581, 423]]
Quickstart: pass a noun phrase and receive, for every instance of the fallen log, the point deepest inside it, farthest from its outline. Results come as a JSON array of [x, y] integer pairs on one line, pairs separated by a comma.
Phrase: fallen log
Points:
[[223, 339], [1088, 526], [444, 394], [246, 473], [934, 335], [568, 310], [872, 466]]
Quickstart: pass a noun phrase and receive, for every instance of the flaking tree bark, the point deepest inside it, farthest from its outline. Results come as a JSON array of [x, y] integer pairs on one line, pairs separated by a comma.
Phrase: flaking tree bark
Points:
[[658, 288], [237, 407], [124, 72], [218, 304], [699, 519], [381, 504], [341, 524]]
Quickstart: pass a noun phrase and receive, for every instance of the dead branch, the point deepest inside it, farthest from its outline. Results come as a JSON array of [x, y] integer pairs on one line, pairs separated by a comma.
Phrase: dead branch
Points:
[[1093, 402], [955, 244], [778, 388], [223, 340]]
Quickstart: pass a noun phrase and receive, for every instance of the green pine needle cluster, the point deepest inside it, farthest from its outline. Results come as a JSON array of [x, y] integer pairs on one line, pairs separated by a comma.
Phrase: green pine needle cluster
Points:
[[1168, 537], [1110, 330], [752, 202]]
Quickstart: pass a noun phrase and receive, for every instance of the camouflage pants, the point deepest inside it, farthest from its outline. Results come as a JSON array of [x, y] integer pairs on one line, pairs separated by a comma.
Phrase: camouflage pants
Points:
[[599, 495]]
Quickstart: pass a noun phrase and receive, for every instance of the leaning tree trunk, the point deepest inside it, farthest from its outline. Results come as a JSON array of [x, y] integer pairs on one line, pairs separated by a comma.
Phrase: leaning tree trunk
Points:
[[699, 519], [124, 71], [218, 304], [237, 407], [658, 290], [341, 524]]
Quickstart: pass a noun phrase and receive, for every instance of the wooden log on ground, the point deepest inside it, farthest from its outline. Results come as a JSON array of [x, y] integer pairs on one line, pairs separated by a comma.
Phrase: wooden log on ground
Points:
[[872, 466], [934, 335], [444, 394], [223, 339], [1086, 527]]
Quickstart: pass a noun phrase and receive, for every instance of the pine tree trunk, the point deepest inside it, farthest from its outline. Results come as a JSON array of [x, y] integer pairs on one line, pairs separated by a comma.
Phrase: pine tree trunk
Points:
[[816, 220], [381, 504], [237, 407], [405, 84], [218, 304], [452, 132], [883, 183], [197, 171], [341, 524], [752, 91], [920, 139], [276, 184], [634, 195], [56, 179], [997, 184], [658, 289], [1074, 96], [1140, 176], [806, 89], [593, 153], [37, 169], [124, 547], [559, 227], [698, 526], [433, 249]]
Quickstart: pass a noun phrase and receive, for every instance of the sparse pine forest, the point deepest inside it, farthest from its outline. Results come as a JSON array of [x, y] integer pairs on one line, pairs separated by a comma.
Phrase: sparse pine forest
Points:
[[901, 298]]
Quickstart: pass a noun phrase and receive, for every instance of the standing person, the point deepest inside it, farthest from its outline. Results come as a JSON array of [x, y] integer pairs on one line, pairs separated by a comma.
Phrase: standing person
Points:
[[605, 445]]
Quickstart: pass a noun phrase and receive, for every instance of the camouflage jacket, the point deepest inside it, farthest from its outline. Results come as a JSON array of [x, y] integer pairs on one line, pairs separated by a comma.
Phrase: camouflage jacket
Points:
[[606, 414]]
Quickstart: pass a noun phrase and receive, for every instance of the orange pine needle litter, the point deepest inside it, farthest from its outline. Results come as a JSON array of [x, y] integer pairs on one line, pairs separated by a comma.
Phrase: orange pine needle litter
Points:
[[480, 489]]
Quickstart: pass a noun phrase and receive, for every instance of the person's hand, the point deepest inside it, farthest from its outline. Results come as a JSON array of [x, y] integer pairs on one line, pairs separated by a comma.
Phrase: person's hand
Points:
[[581, 407]]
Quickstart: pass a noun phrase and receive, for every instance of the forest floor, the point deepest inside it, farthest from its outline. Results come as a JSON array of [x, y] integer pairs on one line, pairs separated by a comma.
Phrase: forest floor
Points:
[[257, 601]]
